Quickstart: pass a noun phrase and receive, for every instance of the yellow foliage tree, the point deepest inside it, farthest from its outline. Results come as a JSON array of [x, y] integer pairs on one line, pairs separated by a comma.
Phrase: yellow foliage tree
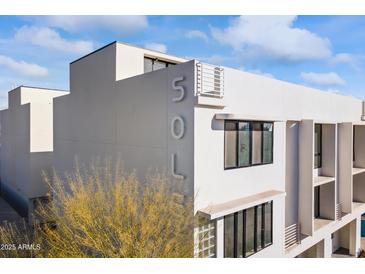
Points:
[[103, 213]]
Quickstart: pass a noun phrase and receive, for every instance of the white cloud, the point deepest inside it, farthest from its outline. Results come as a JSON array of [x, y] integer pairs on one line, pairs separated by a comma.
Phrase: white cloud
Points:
[[157, 47], [49, 38], [272, 37], [191, 34], [323, 79], [215, 59], [346, 58], [22, 67], [85, 23], [342, 58]]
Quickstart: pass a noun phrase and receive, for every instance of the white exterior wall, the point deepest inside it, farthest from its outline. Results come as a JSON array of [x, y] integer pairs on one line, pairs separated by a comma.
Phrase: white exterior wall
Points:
[[254, 97], [26, 144]]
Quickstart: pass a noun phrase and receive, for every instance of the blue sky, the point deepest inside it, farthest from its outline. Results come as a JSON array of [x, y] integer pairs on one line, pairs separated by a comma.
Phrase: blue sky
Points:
[[325, 52]]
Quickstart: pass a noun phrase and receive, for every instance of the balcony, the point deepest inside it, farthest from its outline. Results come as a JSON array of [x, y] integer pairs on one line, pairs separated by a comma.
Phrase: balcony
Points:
[[317, 174], [358, 166], [324, 209], [351, 166], [343, 244]]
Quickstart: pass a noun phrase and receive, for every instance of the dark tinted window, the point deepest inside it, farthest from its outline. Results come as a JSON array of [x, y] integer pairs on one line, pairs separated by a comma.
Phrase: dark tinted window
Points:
[[248, 231], [229, 236], [247, 143], [151, 64], [317, 146]]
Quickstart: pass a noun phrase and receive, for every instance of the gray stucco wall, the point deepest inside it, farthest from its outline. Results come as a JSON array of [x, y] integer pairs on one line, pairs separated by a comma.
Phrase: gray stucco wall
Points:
[[26, 145], [128, 120]]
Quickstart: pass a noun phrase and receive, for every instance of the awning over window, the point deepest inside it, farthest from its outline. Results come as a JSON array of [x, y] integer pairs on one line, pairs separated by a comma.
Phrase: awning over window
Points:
[[223, 209]]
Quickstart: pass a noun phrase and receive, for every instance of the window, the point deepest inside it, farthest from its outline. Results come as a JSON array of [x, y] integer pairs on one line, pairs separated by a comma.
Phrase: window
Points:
[[207, 238], [267, 143], [229, 239], [317, 146], [267, 211], [259, 227], [239, 234], [230, 155], [256, 143], [247, 143], [244, 143], [151, 64], [148, 65], [353, 144], [248, 231]]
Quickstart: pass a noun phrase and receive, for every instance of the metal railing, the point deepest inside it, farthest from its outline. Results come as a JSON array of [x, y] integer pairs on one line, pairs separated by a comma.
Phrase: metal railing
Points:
[[292, 235], [339, 211], [210, 80]]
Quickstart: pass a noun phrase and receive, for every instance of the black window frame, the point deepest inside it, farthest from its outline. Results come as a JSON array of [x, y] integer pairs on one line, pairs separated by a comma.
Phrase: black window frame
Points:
[[250, 147], [167, 63], [244, 221], [318, 154], [353, 143]]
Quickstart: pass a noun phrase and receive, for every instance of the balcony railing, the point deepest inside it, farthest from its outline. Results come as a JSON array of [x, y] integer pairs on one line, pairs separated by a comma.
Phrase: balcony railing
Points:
[[210, 80], [292, 235], [339, 211]]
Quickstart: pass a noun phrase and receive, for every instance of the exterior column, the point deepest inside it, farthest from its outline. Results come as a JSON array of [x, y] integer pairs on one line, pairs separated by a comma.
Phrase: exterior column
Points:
[[327, 247], [220, 237], [355, 237], [319, 249]]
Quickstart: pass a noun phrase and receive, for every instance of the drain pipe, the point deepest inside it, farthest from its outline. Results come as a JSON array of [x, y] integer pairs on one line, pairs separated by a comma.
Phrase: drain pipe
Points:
[[363, 111]]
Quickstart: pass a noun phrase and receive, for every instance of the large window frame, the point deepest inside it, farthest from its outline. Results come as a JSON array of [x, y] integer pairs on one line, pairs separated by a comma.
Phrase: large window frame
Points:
[[250, 152], [264, 243]]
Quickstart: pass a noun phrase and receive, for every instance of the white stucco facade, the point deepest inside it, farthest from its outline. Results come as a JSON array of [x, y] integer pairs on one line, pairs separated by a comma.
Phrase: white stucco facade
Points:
[[173, 119]]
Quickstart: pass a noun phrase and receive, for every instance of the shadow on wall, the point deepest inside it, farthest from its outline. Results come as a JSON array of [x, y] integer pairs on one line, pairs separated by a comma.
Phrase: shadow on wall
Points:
[[217, 124], [25, 185], [16, 200]]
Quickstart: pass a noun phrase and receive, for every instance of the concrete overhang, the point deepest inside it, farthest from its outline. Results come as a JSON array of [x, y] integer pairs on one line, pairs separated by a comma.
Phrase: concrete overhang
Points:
[[237, 116], [213, 102], [223, 209]]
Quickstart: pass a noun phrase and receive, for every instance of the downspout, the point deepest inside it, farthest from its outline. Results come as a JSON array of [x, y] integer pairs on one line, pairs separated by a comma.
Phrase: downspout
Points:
[[363, 111]]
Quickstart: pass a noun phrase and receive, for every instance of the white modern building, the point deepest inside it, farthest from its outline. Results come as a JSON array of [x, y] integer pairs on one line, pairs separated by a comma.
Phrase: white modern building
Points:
[[276, 169]]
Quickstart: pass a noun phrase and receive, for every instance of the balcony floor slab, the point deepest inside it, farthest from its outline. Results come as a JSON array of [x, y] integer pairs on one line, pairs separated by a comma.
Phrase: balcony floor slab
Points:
[[357, 170], [321, 180], [320, 223]]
